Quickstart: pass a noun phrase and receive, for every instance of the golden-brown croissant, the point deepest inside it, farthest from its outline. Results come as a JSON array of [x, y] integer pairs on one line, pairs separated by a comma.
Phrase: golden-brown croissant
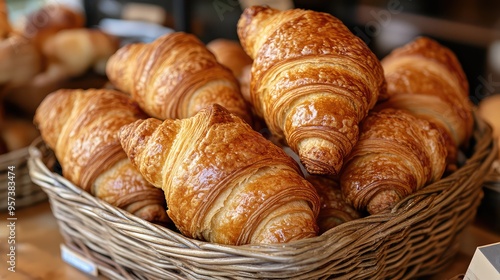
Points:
[[335, 210], [174, 77], [396, 155], [223, 181], [81, 127], [312, 81], [426, 79]]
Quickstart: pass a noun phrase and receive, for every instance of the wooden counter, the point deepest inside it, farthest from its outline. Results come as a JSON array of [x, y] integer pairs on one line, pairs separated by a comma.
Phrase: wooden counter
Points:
[[38, 247]]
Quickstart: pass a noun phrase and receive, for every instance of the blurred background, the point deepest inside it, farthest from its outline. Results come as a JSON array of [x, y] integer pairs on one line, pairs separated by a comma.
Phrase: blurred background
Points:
[[470, 28]]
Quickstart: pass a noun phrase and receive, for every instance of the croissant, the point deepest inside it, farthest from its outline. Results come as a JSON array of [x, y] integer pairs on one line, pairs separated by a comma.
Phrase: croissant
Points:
[[396, 155], [312, 81], [174, 77], [334, 210], [223, 181], [81, 127], [426, 79]]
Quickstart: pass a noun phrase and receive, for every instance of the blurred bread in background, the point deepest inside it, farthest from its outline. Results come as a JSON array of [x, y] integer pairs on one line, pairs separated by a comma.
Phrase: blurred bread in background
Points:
[[48, 49], [72, 52], [21, 61], [43, 23]]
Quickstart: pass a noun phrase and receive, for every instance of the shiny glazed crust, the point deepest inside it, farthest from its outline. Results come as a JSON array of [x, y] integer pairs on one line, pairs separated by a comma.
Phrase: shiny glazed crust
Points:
[[223, 182], [426, 79], [312, 81], [396, 155]]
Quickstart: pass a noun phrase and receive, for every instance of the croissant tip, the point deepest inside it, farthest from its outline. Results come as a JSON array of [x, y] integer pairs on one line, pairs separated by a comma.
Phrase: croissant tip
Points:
[[319, 160], [382, 201], [217, 114]]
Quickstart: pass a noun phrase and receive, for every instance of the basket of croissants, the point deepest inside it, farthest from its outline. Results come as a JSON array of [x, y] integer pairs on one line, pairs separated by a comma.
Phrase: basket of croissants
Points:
[[293, 154]]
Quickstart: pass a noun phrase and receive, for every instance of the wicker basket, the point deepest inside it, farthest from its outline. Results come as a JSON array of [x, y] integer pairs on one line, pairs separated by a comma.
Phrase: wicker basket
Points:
[[419, 237], [26, 192]]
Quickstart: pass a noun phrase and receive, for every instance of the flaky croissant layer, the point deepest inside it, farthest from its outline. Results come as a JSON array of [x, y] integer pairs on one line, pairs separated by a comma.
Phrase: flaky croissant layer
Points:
[[174, 77], [81, 127], [223, 181], [312, 81]]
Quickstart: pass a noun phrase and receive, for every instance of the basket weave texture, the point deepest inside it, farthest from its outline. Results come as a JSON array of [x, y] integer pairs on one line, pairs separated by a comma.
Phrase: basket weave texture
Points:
[[418, 237], [26, 192]]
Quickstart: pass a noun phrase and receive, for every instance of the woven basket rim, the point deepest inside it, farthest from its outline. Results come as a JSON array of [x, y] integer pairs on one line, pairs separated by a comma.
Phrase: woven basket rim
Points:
[[370, 229], [32, 150]]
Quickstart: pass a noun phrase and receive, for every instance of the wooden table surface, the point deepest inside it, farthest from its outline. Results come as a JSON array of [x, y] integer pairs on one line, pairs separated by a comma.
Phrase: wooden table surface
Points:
[[38, 247]]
